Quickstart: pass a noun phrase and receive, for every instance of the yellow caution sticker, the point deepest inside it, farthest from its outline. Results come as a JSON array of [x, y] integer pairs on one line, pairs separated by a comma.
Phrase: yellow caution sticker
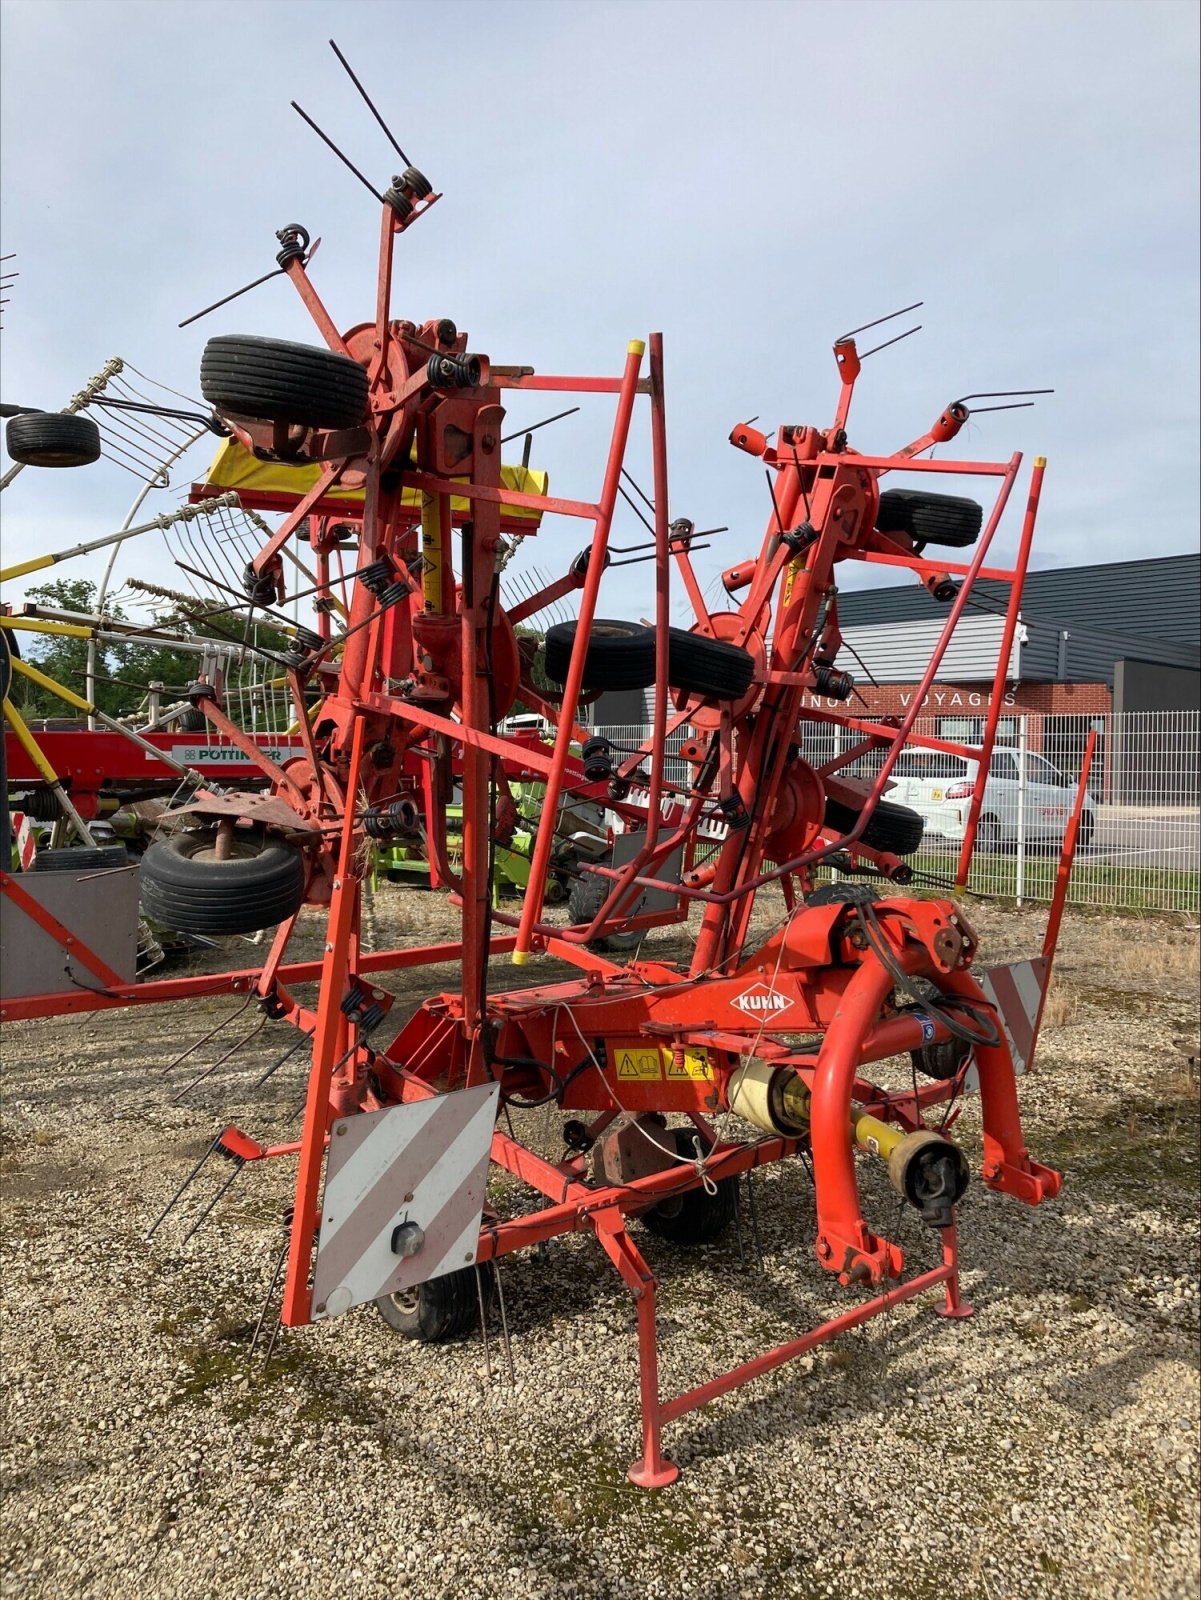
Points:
[[936, 795], [639, 1065], [688, 1064]]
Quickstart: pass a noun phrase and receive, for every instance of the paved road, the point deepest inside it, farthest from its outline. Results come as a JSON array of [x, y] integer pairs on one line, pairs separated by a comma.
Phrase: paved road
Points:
[[1140, 836]]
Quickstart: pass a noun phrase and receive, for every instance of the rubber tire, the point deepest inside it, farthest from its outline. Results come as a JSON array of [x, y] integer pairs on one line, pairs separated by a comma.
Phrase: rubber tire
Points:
[[948, 519], [241, 895], [82, 858], [277, 381], [696, 1217], [1084, 838], [700, 665], [989, 836], [588, 894], [193, 720], [439, 1309], [52, 439], [895, 829], [620, 655], [943, 1059]]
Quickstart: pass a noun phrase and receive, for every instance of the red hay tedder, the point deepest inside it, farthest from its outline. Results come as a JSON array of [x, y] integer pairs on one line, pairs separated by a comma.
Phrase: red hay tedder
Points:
[[399, 427]]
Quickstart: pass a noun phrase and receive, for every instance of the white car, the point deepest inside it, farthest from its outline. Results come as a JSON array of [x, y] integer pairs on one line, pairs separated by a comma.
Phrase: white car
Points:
[[939, 786]]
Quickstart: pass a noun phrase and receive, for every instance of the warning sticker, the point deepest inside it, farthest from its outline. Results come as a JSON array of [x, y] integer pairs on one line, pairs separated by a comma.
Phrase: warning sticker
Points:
[[688, 1064], [639, 1066]]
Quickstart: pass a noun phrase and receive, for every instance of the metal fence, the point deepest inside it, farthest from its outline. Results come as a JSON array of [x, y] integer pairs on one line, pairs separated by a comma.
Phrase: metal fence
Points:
[[1140, 847]]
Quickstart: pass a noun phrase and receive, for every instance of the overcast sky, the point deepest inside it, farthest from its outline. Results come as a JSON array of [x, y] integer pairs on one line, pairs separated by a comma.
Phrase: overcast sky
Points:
[[750, 179]]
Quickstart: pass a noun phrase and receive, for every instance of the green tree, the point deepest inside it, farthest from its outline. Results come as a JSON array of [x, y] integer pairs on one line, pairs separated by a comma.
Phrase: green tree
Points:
[[123, 671]]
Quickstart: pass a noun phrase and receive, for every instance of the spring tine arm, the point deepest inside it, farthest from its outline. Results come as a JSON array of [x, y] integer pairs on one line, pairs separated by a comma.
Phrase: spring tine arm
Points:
[[200, 1076], [267, 1298], [184, 1185], [211, 1034], [239, 1163]]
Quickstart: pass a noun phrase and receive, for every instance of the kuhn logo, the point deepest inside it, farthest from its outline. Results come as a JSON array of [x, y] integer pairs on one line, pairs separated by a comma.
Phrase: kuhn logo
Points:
[[761, 1001]]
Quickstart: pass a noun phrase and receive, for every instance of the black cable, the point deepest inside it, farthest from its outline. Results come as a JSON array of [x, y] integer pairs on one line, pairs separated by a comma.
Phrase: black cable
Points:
[[988, 1035]]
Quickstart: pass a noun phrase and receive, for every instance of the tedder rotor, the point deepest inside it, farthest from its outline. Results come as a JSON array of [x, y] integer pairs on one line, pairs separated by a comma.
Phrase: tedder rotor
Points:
[[762, 1049]]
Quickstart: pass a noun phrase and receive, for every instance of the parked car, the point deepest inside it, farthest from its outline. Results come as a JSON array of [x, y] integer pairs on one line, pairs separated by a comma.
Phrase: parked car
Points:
[[939, 786]]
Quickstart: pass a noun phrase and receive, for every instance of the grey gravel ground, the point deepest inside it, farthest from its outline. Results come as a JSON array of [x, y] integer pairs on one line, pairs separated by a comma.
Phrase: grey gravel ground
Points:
[[1047, 1447]]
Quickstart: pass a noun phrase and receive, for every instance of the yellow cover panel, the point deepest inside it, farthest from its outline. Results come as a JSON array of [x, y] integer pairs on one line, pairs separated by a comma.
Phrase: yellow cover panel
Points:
[[234, 467]]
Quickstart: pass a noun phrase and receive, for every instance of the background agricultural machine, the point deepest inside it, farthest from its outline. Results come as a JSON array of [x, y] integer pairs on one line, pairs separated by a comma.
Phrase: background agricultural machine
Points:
[[763, 1044]]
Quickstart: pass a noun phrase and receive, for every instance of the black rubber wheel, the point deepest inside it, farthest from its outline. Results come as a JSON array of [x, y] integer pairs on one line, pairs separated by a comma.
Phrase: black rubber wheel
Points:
[[82, 858], [694, 1217], [588, 894], [277, 381], [441, 1308], [943, 1059], [52, 439], [894, 829], [620, 655], [184, 886], [700, 665], [988, 836], [930, 518], [193, 720], [1084, 838]]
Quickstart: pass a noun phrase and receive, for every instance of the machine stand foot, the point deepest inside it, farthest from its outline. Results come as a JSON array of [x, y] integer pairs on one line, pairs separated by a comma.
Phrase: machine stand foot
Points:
[[656, 1477], [956, 1312]]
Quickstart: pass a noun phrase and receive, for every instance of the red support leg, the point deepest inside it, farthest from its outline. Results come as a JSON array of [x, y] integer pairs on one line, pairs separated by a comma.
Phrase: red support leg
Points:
[[952, 1306]]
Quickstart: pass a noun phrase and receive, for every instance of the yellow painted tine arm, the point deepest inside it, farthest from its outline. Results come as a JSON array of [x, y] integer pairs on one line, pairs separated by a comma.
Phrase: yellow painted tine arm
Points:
[[71, 630], [27, 741], [55, 688], [33, 750]]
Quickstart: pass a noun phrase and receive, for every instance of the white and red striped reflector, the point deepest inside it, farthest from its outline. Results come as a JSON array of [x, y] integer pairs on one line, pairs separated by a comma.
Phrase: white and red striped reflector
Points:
[[424, 1163], [1017, 992], [26, 837]]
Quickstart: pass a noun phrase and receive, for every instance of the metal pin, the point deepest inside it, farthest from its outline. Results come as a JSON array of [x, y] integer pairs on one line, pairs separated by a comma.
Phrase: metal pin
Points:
[[876, 347], [179, 1192], [738, 1223], [545, 423], [754, 1215], [211, 1034], [504, 1322], [865, 326], [233, 1049], [279, 1263], [350, 74], [305, 1038], [279, 1322], [344, 159], [479, 1289], [240, 1162]]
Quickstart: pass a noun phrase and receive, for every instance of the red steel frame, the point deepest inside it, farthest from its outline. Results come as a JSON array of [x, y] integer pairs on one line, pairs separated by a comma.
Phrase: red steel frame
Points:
[[430, 677]]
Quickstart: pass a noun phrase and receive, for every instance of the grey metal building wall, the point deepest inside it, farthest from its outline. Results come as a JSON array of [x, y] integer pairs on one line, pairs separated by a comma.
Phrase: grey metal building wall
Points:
[[1147, 610]]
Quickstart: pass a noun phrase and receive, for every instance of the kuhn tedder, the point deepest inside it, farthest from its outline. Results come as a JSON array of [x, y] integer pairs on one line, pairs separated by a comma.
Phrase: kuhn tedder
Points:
[[398, 426]]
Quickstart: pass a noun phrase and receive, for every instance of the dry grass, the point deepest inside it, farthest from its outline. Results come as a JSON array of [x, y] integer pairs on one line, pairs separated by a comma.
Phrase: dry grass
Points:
[[1062, 1006]]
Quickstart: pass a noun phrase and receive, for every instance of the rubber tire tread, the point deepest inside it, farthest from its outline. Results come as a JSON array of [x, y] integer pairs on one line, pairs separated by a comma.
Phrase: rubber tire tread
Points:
[[895, 829], [710, 667], [948, 519], [942, 1060], [588, 893], [621, 661], [82, 858], [275, 380], [447, 1308], [702, 1216], [220, 897], [52, 439]]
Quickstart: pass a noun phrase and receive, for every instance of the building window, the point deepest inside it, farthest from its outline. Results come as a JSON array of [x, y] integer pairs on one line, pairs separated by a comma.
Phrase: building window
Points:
[[970, 730]]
